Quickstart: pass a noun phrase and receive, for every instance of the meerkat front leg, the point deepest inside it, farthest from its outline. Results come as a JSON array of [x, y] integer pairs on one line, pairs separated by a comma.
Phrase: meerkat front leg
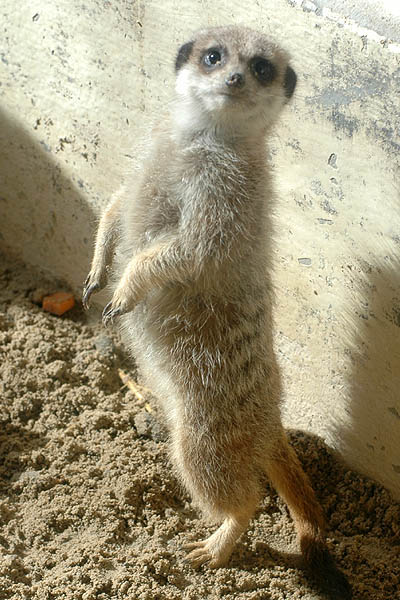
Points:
[[105, 242], [151, 268]]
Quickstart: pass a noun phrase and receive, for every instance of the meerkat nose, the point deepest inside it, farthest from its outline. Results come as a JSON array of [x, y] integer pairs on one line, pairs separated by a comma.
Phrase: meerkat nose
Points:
[[235, 80]]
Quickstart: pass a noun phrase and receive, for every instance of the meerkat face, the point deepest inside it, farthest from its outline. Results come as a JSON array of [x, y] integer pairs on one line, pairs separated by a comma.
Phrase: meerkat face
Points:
[[232, 75]]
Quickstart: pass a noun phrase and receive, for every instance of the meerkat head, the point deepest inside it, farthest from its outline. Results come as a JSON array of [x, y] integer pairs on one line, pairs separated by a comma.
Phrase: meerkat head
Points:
[[232, 77]]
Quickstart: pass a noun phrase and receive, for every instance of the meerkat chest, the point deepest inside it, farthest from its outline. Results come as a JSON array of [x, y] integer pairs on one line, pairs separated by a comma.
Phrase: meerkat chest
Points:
[[219, 191], [210, 169]]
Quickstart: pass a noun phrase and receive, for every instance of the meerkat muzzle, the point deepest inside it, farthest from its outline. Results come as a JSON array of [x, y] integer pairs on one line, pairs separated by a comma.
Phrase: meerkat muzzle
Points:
[[235, 80]]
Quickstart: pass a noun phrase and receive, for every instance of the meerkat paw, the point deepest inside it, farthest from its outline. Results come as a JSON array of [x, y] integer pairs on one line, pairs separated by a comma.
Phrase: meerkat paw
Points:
[[207, 551], [94, 282], [217, 549], [120, 304]]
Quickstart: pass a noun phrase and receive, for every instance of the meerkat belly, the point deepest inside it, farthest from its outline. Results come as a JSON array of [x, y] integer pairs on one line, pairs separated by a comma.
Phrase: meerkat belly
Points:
[[227, 413], [210, 348]]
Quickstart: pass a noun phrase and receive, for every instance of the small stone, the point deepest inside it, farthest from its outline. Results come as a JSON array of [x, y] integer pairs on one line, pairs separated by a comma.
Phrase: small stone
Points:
[[57, 369], [104, 345], [147, 426], [26, 476], [143, 424], [309, 6], [101, 419], [58, 303], [332, 160]]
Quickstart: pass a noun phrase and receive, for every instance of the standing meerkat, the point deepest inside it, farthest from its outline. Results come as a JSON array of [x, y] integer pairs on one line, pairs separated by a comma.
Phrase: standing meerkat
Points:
[[191, 243]]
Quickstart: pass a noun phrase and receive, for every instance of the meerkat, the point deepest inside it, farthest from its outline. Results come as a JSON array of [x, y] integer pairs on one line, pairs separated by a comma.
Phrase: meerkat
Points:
[[191, 243]]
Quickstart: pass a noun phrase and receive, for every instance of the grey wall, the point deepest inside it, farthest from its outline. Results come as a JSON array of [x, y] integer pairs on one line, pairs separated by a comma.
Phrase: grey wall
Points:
[[80, 81], [379, 16]]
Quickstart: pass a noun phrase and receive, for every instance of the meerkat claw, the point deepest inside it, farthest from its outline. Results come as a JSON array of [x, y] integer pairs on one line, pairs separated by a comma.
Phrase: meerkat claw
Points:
[[109, 313], [202, 556], [198, 557], [192, 545], [88, 290]]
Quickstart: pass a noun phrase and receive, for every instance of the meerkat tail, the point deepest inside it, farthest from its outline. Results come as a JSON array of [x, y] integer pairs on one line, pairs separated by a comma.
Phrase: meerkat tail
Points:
[[292, 484], [324, 571]]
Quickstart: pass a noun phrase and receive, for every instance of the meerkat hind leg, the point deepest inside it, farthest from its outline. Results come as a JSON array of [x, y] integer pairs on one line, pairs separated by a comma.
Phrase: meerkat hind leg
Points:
[[216, 549]]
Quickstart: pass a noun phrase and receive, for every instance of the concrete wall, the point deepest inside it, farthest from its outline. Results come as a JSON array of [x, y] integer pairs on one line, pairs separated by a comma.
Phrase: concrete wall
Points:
[[79, 80]]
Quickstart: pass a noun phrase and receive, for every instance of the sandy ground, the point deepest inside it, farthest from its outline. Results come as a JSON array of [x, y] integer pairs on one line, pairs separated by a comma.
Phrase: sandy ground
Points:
[[90, 508]]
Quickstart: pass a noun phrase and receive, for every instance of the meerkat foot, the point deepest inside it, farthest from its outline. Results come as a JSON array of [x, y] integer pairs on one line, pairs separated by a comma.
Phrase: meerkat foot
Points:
[[217, 549], [212, 551], [202, 554]]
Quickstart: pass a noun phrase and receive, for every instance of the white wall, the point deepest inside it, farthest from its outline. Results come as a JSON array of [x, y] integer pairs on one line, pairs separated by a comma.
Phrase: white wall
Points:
[[79, 80]]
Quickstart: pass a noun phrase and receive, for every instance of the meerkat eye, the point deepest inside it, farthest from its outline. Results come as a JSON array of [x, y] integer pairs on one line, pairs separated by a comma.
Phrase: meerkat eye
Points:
[[212, 58], [263, 69]]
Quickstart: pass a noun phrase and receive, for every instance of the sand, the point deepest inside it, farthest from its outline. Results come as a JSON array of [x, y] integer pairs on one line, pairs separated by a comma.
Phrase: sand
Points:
[[90, 507]]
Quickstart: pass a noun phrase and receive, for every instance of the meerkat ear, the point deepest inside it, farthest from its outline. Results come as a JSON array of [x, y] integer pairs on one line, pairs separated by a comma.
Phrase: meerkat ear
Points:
[[183, 55], [289, 82]]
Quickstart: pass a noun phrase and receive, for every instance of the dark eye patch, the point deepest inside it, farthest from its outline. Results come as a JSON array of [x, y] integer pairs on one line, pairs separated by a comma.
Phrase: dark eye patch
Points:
[[290, 81], [184, 53], [263, 69]]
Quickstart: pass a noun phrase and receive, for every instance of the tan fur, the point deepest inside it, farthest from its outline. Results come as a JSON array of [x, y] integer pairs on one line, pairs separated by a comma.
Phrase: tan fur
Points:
[[193, 288]]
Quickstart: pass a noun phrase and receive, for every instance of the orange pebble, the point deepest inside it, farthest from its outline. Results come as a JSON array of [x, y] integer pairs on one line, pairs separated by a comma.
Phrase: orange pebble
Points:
[[58, 303]]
